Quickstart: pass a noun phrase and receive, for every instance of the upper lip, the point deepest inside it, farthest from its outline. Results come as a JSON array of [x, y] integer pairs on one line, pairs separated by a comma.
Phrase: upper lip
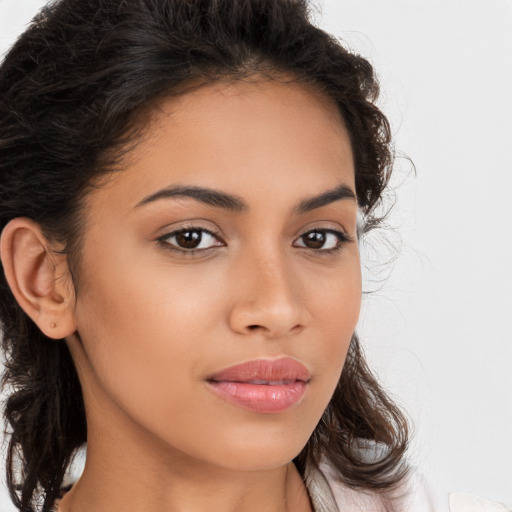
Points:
[[264, 370]]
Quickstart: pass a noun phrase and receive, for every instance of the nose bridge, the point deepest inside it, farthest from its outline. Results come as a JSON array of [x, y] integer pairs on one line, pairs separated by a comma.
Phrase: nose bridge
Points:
[[272, 278], [268, 296]]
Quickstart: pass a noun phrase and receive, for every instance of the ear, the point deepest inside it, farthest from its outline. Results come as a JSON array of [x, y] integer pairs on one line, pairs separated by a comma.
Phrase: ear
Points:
[[39, 277]]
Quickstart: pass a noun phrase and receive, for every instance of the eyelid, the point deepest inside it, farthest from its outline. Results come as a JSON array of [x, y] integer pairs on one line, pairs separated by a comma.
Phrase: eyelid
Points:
[[163, 239], [328, 226], [342, 236]]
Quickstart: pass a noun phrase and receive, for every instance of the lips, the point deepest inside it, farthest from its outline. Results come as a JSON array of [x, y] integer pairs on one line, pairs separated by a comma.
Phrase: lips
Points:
[[263, 385]]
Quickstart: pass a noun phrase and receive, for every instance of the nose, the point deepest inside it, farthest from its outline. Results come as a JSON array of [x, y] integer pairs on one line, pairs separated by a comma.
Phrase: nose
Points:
[[268, 299]]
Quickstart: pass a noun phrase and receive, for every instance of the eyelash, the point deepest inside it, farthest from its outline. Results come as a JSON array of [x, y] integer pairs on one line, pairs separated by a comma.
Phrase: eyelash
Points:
[[164, 240], [342, 240]]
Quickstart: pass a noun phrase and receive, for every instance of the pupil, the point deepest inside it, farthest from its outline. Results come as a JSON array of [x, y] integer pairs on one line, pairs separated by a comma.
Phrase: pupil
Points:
[[189, 239], [314, 240]]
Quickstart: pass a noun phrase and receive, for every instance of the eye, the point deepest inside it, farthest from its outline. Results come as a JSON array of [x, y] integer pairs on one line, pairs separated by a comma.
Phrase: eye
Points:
[[322, 239], [191, 239]]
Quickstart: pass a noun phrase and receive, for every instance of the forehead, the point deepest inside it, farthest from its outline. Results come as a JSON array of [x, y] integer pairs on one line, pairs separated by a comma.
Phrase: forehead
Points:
[[224, 135], [262, 102]]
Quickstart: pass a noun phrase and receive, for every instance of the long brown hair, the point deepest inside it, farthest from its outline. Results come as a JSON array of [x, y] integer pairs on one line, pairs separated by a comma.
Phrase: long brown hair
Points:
[[72, 89]]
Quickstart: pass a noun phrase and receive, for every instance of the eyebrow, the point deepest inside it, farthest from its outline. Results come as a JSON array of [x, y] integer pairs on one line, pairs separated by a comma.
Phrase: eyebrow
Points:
[[328, 197], [231, 202], [207, 196]]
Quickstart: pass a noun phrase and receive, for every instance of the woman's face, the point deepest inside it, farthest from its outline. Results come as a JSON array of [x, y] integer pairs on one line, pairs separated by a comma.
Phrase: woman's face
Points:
[[229, 238]]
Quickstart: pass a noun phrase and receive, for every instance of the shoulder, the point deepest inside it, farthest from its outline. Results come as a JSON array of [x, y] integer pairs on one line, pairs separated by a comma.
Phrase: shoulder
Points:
[[416, 494]]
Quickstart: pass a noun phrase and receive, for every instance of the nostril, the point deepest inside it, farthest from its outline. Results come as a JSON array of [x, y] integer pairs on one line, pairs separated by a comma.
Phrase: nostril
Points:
[[252, 327]]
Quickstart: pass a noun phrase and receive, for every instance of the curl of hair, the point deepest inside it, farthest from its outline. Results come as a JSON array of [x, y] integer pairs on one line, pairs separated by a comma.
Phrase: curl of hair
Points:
[[73, 92]]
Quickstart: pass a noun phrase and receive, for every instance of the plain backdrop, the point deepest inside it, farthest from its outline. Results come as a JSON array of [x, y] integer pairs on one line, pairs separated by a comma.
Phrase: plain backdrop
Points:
[[437, 328]]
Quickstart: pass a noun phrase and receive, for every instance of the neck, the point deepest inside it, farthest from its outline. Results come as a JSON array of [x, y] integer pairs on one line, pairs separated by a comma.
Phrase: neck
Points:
[[276, 491], [129, 469], [125, 487]]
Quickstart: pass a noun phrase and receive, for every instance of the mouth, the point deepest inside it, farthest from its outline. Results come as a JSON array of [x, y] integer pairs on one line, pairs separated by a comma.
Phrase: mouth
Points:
[[266, 386]]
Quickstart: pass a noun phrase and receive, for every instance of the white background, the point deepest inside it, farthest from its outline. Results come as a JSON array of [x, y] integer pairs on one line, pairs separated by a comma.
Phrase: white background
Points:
[[438, 331]]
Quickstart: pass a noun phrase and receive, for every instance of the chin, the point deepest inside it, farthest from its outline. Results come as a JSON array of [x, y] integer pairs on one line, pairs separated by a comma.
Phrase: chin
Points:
[[261, 450], [258, 460]]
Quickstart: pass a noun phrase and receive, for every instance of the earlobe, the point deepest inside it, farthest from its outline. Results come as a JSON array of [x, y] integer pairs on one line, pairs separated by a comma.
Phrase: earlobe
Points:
[[38, 277]]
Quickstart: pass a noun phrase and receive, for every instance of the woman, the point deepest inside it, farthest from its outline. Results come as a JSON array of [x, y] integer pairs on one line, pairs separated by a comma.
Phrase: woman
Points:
[[184, 187]]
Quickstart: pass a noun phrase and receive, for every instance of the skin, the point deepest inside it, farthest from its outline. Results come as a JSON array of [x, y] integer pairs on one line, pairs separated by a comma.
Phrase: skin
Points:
[[150, 321]]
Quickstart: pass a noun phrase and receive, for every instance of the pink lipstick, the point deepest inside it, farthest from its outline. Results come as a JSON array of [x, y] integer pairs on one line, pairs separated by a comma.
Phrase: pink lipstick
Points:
[[263, 385]]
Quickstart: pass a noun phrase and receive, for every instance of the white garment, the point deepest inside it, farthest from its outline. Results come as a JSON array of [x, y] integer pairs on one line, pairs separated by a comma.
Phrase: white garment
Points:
[[415, 495], [461, 502]]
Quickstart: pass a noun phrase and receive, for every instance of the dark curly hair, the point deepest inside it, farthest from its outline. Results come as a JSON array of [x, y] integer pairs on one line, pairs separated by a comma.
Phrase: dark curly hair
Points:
[[73, 93]]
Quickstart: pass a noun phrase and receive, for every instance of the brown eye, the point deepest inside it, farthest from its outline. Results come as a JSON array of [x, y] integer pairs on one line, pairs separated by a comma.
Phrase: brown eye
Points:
[[314, 239], [191, 239], [322, 239]]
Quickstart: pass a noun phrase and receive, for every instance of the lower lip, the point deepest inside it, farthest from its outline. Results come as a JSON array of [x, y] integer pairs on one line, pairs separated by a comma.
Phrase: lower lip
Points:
[[261, 398]]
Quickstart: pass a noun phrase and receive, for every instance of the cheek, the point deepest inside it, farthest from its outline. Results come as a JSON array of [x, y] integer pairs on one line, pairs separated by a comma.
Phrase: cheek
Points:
[[340, 313], [335, 299], [145, 344], [137, 322]]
